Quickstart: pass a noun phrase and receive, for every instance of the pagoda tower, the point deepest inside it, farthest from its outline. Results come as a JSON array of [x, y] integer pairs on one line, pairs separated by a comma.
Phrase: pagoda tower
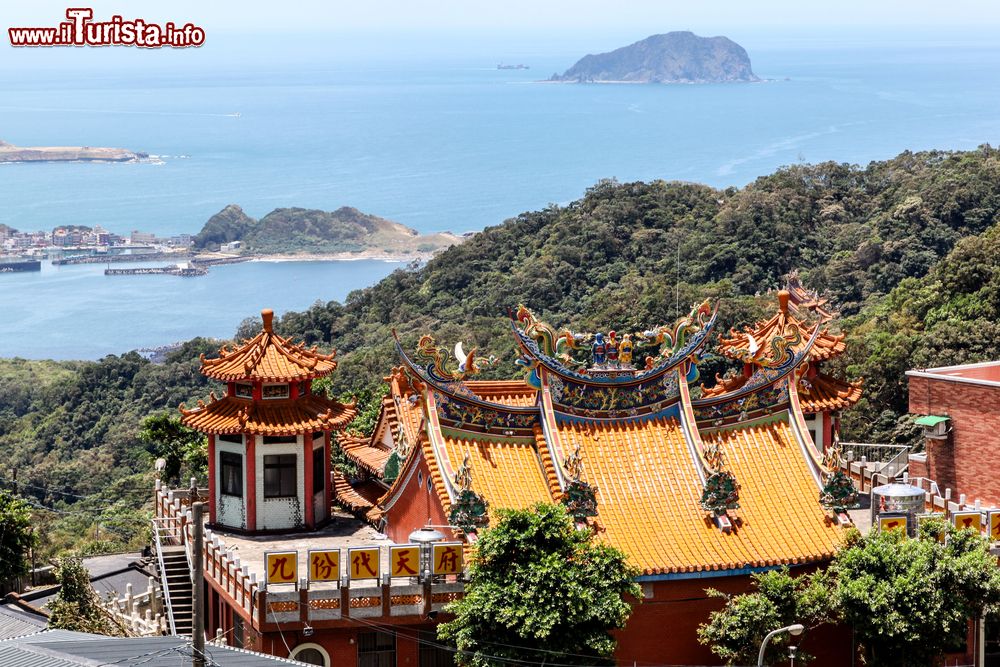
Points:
[[821, 396], [269, 436]]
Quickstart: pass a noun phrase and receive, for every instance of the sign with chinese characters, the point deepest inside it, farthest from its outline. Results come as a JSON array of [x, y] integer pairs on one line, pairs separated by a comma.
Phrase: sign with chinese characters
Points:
[[404, 561], [447, 558], [282, 567], [892, 522], [965, 520], [324, 565], [363, 563], [995, 525]]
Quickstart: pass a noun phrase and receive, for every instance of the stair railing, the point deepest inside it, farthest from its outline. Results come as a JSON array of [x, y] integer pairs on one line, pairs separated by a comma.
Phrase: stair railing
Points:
[[168, 602]]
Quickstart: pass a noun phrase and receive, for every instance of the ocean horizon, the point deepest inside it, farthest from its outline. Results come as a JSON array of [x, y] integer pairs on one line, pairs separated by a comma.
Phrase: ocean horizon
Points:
[[455, 145]]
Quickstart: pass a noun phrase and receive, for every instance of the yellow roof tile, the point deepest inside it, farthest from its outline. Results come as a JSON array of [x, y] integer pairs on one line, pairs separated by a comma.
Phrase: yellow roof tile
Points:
[[648, 498], [507, 474]]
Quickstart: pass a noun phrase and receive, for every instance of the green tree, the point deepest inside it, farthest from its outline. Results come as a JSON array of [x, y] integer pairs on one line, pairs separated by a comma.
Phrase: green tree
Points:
[[540, 590], [735, 632], [166, 437], [77, 606], [16, 535], [909, 600]]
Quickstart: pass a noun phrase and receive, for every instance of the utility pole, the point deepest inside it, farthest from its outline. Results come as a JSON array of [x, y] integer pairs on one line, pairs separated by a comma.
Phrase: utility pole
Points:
[[197, 605]]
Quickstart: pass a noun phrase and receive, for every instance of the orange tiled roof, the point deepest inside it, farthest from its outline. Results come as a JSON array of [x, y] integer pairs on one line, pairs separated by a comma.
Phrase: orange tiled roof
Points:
[[267, 357], [270, 417], [825, 393], [512, 393], [648, 498], [827, 345], [360, 499], [360, 450], [507, 474]]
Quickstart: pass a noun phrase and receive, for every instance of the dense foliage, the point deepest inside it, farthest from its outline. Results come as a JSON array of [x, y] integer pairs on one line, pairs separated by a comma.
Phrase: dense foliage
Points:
[[540, 591], [908, 601], [908, 249], [16, 536], [77, 606], [736, 632]]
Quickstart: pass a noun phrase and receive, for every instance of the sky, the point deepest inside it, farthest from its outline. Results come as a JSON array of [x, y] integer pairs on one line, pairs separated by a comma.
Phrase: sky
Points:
[[250, 32], [588, 15]]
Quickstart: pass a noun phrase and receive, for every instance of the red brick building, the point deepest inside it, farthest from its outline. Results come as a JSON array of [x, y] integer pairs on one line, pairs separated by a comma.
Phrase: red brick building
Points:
[[960, 445]]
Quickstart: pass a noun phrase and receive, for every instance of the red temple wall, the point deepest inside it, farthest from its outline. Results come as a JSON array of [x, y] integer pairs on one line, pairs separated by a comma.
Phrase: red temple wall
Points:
[[958, 463], [417, 506], [663, 629]]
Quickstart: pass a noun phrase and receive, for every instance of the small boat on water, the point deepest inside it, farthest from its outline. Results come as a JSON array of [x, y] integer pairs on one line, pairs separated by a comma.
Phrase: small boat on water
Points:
[[519, 66]]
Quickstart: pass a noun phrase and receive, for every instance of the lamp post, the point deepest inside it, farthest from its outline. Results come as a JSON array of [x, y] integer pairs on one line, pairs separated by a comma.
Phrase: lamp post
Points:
[[425, 537], [795, 630]]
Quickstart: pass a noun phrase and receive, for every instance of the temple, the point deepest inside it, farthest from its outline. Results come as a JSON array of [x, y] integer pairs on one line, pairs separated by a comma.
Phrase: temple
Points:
[[269, 436], [691, 483], [821, 396]]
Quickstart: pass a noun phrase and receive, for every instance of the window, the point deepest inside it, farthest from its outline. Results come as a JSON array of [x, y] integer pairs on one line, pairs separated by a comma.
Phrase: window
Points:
[[279, 476], [377, 649], [235, 439], [231, 474], [311, 654], [317, 435], [303, 388], [280, 439], [244, 390], [319, 479], [275, 391]]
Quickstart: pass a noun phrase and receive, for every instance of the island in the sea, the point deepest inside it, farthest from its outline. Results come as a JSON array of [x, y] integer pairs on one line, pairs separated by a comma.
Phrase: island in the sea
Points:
[[290, 232], [11, 153], [674, 57]]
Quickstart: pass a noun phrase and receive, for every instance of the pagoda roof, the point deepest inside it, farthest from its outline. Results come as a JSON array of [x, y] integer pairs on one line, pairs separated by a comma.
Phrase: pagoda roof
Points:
[[268, 357], [822, 393], [758, 338], [232, 415]]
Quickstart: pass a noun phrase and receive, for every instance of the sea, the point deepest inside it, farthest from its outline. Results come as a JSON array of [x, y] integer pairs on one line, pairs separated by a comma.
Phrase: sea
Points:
[[447, 143]]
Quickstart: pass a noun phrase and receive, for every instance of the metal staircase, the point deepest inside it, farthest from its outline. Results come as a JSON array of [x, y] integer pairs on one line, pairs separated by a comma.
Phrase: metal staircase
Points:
[[174, 569], [177, 575]]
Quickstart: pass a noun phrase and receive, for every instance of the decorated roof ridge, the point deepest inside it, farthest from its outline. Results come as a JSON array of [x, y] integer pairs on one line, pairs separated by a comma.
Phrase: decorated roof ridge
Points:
[[697, 318], [457, 389], [231, 415], [802, 298], [824, 393], [268, 357], [765, 376], [750, 343]]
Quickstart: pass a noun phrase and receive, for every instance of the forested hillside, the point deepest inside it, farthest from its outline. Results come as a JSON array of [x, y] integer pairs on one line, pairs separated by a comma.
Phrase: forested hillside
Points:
[[908, 250]]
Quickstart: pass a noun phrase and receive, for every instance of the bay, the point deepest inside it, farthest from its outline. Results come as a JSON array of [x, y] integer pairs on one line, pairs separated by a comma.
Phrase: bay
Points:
[[452, 144]]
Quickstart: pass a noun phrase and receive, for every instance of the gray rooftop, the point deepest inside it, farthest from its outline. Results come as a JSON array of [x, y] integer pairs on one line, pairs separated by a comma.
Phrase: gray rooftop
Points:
[[60, 648]]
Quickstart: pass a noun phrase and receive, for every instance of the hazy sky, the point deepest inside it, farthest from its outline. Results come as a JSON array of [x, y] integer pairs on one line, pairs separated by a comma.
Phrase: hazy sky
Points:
[[704, 15], [366, 31]]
